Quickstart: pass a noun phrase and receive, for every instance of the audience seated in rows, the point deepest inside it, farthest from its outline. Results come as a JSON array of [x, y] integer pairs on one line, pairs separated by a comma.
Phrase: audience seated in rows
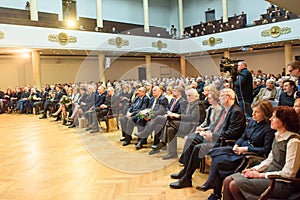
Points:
[[230, 125]]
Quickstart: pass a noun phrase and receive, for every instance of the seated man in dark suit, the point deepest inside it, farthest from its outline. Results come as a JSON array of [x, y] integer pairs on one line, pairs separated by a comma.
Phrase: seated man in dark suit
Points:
[[230, 125], [99, 100], [111, 104], [127, 122], [177, 105], [53, 101], [189, 119], [158, 105], [38, 105]]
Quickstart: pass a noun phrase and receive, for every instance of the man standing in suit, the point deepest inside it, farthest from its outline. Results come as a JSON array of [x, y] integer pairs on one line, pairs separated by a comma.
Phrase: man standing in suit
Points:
[[243, 87], [127, 122], [230, 125], [177, 105], [158, 104]]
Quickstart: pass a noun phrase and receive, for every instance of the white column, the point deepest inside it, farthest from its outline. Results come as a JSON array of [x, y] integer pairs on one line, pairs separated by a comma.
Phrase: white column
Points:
[[225, 10], [182, 66], [288, 55], [34, 10], [101, 66], [36, 68], [148, 67], [99, 13], [60, 14], [180, 14], [146, 16]]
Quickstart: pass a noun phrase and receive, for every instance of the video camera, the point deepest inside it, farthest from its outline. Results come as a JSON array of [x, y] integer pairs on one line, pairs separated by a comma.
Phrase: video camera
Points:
[[228, 65]]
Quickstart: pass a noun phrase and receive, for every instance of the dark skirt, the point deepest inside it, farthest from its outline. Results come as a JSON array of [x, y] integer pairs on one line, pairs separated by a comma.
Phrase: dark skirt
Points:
[[226, 159], [253, 188]]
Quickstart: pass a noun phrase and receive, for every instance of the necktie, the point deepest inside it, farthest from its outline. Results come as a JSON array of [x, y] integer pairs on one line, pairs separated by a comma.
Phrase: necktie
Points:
[[220, 121], [173, 105]]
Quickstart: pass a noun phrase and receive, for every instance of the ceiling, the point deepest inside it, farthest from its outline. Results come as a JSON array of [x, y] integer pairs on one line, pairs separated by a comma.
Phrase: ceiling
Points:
[[291, 5]]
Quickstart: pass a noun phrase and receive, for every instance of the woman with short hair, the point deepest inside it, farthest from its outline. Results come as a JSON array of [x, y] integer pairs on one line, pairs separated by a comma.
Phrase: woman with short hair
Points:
[[284, 160]]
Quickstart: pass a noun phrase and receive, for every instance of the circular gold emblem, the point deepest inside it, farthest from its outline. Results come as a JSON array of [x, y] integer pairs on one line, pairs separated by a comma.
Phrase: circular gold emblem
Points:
[[211, 41], [119, 42], [275, 31], [63, 38], [159, 45]]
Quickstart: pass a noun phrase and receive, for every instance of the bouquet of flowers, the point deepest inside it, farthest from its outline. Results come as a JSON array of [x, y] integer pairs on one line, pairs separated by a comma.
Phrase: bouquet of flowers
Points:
[[65, 100], [146, 114]]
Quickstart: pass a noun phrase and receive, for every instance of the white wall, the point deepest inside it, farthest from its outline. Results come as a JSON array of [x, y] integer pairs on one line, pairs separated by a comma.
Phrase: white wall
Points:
[[19, 4], [18, 71]]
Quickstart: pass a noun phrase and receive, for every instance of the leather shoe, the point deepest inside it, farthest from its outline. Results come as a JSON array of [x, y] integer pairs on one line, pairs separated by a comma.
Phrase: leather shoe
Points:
[[179, 175], [214, 197], [139, 145], [122, 139], [94, 131], [181, 184], [72, 126], [126, 143], [43, 117], [153, 152], [205, 187], [159, 146], [88, 129], [170, 156]]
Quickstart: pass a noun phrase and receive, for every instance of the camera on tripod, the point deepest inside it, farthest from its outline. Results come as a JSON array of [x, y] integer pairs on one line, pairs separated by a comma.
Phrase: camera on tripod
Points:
[[229, 66]]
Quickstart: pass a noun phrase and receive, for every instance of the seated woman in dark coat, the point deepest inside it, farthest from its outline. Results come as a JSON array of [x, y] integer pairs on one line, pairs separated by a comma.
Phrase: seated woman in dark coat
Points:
[[283, 160], [258, 138]]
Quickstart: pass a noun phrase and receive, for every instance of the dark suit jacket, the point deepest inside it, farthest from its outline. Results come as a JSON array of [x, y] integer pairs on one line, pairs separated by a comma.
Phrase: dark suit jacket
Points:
[[58, 96], [179, 106], [100, 99], [189, 119], [243, 86], [233, 126], [136, 107], [112, 103], [160, 105]]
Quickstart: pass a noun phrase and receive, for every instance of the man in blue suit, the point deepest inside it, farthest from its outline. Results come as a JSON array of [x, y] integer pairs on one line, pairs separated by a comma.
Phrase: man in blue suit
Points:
[[158, 104], [177, 105], [127, 122]]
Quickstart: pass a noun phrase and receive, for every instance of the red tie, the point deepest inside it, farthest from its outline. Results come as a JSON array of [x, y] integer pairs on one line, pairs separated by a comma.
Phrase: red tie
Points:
[[220, 121], [173, 105]]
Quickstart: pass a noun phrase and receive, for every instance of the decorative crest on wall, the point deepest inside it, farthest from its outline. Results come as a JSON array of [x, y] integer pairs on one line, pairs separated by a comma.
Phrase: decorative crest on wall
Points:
[[62, 38], [118, 42], [212, 41], [276, 31], [159, 44]]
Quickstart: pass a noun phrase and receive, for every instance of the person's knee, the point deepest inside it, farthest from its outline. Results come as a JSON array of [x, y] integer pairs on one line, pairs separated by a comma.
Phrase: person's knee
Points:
[[227, 181], [233, 186]]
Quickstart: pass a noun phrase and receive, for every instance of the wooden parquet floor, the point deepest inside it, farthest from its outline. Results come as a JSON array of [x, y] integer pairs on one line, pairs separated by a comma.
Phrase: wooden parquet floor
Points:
[[41, 159]]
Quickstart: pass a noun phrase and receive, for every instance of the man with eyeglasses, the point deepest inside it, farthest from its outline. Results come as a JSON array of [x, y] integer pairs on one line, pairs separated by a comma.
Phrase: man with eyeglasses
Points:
[[294, 70]]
